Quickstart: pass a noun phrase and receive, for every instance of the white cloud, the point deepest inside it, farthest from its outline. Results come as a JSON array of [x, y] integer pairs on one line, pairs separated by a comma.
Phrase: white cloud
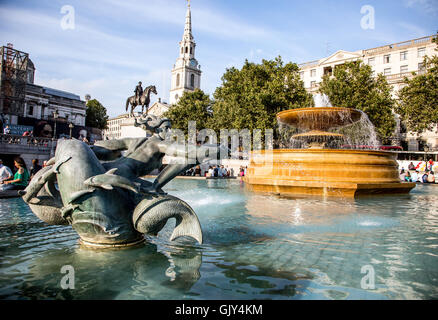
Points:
[[428, 6], [87, 59], [206, 20]]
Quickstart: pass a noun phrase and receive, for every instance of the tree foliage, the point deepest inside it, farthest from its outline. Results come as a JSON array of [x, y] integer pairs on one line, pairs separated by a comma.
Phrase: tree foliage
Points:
[[96, 115], [192, 106], [418, 100], [251, 97], [353, 86]]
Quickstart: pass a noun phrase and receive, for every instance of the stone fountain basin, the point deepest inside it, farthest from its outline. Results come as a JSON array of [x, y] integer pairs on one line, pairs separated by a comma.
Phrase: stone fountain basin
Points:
[[326, 172], [319, 118]]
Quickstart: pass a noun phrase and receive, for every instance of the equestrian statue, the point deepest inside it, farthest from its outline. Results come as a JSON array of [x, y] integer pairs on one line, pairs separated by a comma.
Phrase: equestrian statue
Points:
[[141, 98]]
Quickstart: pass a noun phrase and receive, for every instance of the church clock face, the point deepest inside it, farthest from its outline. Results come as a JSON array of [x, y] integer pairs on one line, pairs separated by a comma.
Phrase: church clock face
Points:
[[193, 62]]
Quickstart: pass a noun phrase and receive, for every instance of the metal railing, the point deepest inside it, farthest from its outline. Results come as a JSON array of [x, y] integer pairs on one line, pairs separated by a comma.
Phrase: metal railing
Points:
[[24, 141]]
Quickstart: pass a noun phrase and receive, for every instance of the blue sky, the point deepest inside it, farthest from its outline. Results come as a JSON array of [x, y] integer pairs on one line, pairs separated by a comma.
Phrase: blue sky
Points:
[[115, 44]]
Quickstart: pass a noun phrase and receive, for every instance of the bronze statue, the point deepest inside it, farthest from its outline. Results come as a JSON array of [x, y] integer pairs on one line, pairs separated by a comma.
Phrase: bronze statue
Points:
[[100, 191], [138, 92], [141, 97]]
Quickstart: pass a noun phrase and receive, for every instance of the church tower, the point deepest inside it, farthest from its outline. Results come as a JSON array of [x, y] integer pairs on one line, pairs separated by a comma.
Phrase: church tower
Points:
[[186, 73]]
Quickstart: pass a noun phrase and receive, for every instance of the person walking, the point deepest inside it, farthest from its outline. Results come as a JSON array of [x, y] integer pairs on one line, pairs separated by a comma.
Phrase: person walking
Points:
[[20, 179], [430, 164]]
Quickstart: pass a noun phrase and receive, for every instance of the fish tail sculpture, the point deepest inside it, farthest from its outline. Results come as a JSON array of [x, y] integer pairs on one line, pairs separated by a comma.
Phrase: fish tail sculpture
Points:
[[152, 213], [105, 209]]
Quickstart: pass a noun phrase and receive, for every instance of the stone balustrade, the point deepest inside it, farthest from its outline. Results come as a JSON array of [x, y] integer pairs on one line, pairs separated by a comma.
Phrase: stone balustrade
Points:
[[398, 46], [15, 144]]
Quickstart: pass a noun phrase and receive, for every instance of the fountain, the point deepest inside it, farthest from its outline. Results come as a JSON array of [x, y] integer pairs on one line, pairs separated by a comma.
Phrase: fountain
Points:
[[324, 166]]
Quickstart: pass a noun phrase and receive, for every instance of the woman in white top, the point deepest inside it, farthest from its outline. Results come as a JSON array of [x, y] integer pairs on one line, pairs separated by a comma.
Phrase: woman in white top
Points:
[[5, 172]]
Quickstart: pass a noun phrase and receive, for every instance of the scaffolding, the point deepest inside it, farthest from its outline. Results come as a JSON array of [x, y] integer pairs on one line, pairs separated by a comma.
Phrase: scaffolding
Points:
[[13, 79]]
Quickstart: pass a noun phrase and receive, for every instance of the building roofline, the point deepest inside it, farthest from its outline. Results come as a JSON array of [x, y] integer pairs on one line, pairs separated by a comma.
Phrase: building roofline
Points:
[[392, 46]]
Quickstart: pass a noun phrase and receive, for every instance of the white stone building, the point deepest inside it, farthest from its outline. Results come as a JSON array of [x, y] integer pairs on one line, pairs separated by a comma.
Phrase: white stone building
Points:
[[396, 61], [40, 102], [114, 130], [186, 73]]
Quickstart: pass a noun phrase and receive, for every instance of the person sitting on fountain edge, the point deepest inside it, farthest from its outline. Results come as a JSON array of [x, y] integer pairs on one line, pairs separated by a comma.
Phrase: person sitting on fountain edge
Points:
[[20, 179], [5, 172]]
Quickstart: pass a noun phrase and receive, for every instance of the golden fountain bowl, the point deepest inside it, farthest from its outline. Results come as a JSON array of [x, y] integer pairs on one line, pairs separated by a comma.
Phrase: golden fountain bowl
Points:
[[319, 118], [317, 134], [323, 172]]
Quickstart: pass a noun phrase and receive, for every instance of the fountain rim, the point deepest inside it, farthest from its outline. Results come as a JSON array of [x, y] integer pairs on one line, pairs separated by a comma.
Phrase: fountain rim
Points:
[[309, 109], [349, 151]]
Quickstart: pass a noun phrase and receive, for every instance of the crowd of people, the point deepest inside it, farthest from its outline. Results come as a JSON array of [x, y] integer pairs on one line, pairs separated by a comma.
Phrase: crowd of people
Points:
[[413, 173], [20, 179], [216, 171]]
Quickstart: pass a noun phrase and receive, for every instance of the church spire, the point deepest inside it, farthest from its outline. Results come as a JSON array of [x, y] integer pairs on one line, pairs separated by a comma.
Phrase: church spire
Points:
[[186, 73], [188, 26]]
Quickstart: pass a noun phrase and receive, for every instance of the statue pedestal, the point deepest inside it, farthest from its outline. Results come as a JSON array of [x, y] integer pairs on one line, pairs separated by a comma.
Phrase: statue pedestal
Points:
[[128, 130]]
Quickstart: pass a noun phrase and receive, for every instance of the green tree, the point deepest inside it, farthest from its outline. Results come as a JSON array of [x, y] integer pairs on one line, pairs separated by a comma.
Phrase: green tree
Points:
[[96, 116], [418, 100], [192, 106], [252, 96], [353, 86]]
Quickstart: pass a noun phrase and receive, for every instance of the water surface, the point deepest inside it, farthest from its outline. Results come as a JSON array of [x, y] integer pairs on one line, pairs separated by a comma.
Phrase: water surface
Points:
[[256, 246]]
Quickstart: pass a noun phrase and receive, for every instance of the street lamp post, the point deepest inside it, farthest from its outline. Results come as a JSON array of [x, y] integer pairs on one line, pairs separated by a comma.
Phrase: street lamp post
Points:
[[71, 127], [55, 116]]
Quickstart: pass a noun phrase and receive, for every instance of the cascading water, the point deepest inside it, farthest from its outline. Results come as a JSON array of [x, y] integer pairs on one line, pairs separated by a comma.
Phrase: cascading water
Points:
[[327, 128]]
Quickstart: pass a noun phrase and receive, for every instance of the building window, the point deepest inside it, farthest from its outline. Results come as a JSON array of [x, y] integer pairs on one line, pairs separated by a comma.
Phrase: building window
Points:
[[387, 71], [313, 73], [30, 111], [403, 56], [177, 80], [313, 84], [187, 49], [421, 52], [328, 71], [192, 80], [191, 50], [30, 77], [403, 69], [176, 97], [387, 58], [372, 61], [421, 66]]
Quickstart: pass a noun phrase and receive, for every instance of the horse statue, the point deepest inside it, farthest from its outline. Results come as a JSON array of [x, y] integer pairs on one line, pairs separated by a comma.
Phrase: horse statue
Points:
[[145, 99]]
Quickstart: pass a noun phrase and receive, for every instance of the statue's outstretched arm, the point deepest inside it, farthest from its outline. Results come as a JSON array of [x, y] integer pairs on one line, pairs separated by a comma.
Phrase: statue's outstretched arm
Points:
[[108, 150], [116, 145], [186, 160]]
